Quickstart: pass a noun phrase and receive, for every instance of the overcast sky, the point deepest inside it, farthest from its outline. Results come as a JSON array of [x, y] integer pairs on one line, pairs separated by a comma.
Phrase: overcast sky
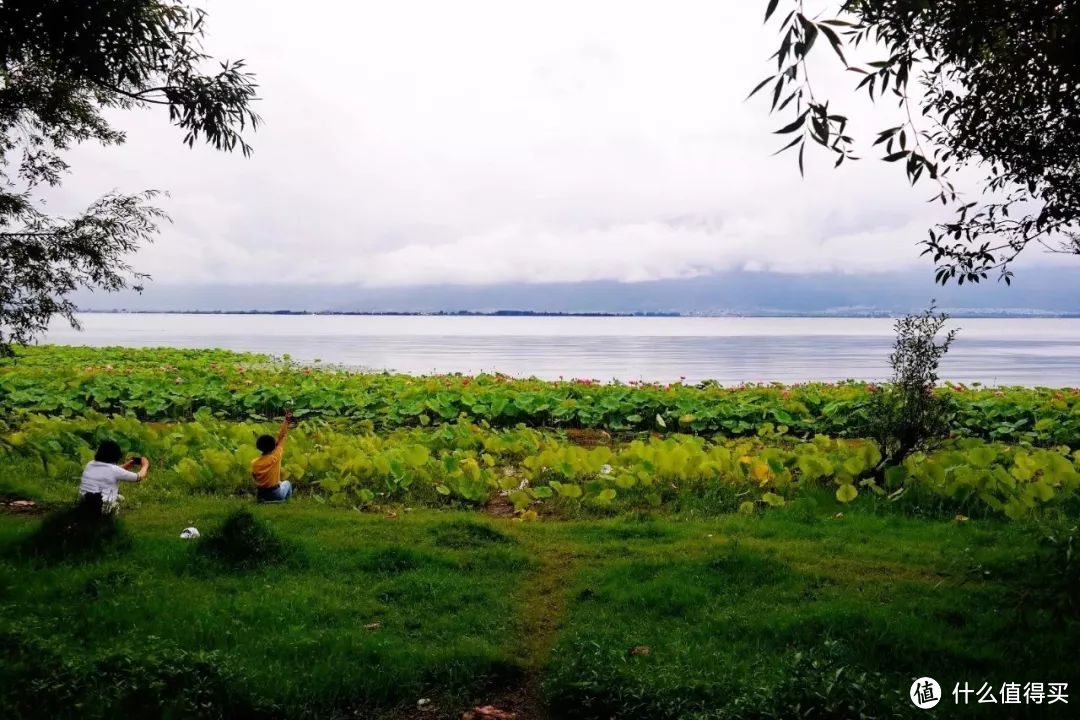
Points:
[[475, 142]]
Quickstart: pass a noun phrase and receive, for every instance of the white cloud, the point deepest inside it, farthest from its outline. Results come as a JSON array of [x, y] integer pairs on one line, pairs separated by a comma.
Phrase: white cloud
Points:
[[476, 142]]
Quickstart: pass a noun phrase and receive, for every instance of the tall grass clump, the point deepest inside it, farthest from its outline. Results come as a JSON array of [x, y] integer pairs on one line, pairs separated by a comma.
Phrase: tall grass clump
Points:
[[78, 533], [243, 542]]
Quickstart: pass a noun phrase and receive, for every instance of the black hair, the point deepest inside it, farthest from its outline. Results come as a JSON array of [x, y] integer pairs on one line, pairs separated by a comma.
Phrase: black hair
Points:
[[109, 452], [266, 444]]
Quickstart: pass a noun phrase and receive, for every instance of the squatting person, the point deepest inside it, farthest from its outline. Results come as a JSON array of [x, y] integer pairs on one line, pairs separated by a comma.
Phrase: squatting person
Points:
[[101, 478], [266, 469]]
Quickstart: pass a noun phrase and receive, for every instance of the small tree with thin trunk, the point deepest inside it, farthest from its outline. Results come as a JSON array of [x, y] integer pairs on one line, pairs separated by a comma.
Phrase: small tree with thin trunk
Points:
[[910, 413]]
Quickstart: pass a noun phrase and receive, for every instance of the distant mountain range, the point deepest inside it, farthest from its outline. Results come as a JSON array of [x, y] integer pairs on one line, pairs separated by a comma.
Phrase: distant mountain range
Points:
[[1035, 291]]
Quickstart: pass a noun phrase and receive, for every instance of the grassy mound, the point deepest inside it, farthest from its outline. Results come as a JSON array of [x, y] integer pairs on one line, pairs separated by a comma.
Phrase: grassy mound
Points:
[[469, 534], [392, 560], [79, 533], [244, 542]]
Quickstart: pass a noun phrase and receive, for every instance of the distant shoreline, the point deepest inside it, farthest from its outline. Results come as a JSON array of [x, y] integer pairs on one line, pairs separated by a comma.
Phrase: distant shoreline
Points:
[[1017, 315]]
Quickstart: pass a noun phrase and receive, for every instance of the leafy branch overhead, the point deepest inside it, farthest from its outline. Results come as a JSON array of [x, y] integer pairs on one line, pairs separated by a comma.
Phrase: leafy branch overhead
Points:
[[992, 85], [65, 64]]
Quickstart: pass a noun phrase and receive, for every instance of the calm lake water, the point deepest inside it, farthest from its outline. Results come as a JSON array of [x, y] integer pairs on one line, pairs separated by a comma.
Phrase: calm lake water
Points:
[[731, 350]]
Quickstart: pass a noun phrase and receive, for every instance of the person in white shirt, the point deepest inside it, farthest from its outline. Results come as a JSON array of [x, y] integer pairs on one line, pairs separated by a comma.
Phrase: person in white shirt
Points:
[[102, 476]]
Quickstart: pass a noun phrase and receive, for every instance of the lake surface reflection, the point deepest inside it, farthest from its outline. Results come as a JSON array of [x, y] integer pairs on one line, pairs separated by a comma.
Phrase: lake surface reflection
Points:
[[730, 350]]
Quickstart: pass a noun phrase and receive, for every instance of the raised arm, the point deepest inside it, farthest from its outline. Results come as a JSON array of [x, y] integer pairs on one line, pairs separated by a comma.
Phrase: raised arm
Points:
[[284, 430]]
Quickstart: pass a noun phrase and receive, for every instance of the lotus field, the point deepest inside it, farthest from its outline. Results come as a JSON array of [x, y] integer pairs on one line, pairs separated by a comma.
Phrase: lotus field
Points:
[[450, 441]]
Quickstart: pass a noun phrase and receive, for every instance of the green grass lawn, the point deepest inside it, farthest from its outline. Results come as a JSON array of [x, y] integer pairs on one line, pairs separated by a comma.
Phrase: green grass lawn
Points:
[[799, 612]]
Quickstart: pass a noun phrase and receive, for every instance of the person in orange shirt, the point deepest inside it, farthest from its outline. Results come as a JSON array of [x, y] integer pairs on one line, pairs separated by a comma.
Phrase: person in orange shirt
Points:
[[266, 469]]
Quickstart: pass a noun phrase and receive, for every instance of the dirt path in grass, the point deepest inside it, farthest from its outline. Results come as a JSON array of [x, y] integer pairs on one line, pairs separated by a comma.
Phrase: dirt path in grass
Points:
[[542, 598]]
